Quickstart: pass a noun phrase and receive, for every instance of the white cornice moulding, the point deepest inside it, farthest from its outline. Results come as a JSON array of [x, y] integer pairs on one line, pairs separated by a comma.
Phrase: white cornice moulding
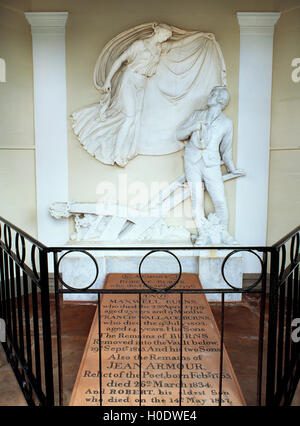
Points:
[[257, 23], [47, 21]]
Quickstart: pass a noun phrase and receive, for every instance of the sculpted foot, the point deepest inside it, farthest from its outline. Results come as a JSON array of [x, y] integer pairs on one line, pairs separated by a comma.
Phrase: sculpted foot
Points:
[[228, 239], [201, 240], [121, 163]]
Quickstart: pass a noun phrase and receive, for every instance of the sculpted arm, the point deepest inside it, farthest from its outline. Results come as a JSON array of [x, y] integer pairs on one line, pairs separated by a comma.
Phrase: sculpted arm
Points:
[[168, 45], [226, 151], [115, 67]]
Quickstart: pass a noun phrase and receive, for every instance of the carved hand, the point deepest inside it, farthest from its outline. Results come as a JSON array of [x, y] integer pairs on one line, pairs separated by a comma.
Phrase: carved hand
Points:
[[106, 88], [197, 126]]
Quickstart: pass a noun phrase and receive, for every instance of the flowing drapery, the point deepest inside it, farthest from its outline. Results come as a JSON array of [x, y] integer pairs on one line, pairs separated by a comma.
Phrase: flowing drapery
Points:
[[141, 114]]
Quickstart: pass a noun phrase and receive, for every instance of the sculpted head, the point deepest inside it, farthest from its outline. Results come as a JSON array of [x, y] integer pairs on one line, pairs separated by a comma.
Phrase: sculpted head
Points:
[[162, 32], [219, 95]]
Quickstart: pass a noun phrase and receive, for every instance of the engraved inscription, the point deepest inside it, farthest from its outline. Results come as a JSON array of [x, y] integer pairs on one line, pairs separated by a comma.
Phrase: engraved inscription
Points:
[[160, 348]]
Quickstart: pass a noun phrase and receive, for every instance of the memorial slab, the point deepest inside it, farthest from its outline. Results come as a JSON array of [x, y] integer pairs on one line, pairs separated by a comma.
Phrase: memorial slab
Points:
[[111, 360]]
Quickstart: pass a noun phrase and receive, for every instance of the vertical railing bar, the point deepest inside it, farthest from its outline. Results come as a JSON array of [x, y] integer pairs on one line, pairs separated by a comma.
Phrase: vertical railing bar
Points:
[[298, 291], [288, 340], [58, 332], [181, 349], [222, 350], [100, 349], [20, 311], [140, 347], [295, 310], [261, 331], [8, 302], [272, 328], [13, 303], [292, 379], [46, 321], [27, 322], [3, 295], [36, 334], [280, 340], [296, 307]]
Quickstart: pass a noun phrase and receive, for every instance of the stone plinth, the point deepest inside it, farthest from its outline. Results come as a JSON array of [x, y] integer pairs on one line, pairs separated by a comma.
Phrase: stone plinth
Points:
[[210, 267], [78, 270]]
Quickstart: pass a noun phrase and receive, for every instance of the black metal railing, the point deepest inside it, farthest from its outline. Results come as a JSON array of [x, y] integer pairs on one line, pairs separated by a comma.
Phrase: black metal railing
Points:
[[258, 287], [283, 352], [33, 319], [25, 308]]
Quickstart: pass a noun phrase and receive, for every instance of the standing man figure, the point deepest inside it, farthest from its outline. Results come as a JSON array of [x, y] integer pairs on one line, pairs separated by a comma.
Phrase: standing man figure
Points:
[[209, 136]]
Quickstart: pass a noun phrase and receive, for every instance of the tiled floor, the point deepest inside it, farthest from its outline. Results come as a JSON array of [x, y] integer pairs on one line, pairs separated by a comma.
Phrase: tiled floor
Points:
[[241, 339], [10, 393]]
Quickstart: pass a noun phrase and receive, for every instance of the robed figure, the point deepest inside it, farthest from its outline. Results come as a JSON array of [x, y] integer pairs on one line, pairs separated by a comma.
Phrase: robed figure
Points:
[[150, 79]]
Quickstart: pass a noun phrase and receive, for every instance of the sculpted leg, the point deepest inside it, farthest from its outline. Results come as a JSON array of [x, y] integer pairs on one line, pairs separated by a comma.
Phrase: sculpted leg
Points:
[[219, 202], [122, 143], [197, 197], [215, 187], [125, 141], [194, 179]]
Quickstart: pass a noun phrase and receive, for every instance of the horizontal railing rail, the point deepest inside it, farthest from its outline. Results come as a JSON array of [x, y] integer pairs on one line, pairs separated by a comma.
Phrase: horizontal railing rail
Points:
[[286, 238], [22, 233]]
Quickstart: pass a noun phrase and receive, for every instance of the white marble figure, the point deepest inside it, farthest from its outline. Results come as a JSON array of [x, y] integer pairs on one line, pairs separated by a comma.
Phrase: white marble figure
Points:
[[209, 134], [148, 78], [110, 221]]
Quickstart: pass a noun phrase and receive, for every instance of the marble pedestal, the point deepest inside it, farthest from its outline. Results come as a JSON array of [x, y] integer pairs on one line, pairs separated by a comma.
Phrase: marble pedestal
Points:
[[78, 270], [210, 266]]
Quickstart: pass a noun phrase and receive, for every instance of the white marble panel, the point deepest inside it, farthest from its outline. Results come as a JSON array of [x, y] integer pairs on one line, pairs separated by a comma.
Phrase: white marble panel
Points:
[[210, 266], [78, 270]]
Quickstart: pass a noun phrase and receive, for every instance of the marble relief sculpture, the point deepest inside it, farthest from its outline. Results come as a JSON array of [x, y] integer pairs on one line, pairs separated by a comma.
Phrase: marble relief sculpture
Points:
[[110, 221], [208, 133], [162, 89], [150, 78]]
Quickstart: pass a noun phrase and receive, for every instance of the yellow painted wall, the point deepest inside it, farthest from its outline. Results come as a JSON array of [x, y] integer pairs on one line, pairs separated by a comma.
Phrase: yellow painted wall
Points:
[[284, 183], [17, 163]]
